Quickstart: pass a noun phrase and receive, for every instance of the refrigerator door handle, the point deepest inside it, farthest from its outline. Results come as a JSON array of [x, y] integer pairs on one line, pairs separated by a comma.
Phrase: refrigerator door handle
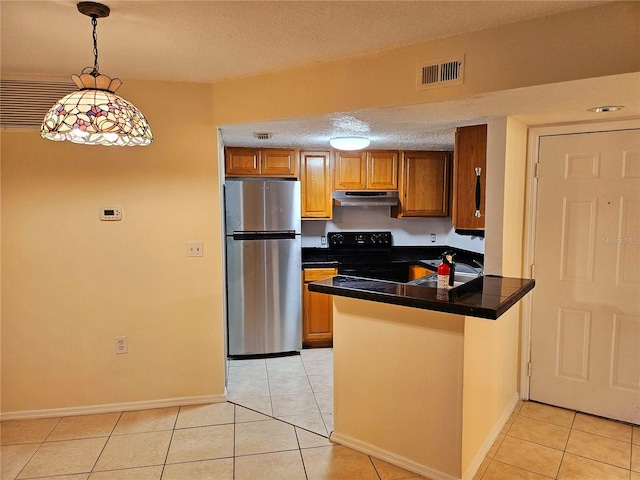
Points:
[[273, 235]]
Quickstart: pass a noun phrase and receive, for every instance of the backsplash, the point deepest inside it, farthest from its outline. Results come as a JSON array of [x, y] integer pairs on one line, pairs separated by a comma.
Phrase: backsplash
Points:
[[406, 232]]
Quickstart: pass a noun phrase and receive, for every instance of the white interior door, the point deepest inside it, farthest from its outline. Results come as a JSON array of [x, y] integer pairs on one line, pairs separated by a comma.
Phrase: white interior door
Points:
[[585, 322]]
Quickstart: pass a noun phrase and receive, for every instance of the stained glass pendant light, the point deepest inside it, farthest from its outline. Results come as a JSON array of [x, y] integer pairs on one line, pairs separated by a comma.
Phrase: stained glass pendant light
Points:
[[95, 115]]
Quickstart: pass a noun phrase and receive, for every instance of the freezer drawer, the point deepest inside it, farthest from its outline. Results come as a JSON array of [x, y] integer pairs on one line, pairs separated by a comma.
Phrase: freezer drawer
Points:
[[264, 295]]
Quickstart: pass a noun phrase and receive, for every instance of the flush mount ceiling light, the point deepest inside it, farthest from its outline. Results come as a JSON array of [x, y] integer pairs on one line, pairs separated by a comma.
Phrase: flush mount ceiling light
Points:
[[95, 115], [349, 143], [606, 108]]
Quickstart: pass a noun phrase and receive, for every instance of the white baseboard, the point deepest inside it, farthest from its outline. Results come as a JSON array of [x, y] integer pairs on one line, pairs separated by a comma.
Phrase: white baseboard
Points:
[[491, 438], [425, 470], [390, 457], [114, 407]]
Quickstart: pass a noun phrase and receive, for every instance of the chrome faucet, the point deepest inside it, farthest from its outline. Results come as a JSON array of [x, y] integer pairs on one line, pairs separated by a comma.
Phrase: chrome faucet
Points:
[[473, 267]]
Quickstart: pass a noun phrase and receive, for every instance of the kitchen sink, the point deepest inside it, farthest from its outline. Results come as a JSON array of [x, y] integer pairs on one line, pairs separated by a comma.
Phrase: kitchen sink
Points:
[[432, 280]]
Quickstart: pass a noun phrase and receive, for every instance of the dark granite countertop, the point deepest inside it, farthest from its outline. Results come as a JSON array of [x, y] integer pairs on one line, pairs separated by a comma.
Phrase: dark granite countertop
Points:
[[485, 297], [313, 257], [317, 258]]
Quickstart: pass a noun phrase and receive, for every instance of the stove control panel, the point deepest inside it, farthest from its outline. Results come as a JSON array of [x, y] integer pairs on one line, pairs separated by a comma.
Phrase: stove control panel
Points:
[[359, 239]]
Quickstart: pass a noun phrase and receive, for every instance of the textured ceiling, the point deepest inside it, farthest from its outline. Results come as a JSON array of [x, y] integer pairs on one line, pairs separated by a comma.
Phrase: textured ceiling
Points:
[[207, 41], [432, 126]]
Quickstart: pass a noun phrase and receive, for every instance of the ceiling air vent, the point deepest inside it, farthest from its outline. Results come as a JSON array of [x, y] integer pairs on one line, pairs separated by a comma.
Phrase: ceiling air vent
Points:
[[441, 73], [262, 135], [24, 103]]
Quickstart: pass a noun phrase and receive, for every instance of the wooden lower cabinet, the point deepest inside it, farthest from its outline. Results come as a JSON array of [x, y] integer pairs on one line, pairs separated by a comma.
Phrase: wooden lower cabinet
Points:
[[418, 271], [317, 310]]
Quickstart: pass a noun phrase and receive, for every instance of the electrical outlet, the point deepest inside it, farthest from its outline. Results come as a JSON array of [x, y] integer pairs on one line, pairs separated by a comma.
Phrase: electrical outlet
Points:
[[194, 249], [120, 344], [433, 238], [323, 240]]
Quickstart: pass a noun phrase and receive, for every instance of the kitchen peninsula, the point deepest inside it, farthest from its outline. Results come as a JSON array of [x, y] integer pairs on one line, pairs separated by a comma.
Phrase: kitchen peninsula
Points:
[[423, 383]]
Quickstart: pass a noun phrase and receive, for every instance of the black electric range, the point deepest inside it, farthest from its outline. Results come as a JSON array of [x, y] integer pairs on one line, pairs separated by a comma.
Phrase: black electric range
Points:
[[368, 255]]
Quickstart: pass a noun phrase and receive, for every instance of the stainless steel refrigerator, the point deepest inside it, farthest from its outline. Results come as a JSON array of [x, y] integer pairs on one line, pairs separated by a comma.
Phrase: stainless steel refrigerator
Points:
[[264, 266]]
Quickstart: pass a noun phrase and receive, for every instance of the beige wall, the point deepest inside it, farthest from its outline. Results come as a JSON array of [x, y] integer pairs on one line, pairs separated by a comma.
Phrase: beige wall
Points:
[[490, 382], [515, 170], [506, 182], [448, 383], [582, 44], [398, 384], [71, 283], [492, 349]]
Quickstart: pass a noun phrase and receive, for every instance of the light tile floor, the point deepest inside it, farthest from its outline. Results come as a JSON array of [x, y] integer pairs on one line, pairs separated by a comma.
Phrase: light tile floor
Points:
[[226, 441], [541, 442], [219, 441], [538, 441], [297, 389]]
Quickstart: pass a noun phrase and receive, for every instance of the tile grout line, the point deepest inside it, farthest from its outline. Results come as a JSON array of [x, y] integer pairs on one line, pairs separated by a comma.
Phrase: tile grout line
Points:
[[30, 458], [304, 467], [37, 449], [326, 427], [173, 430], [105, 444], [235, 423]]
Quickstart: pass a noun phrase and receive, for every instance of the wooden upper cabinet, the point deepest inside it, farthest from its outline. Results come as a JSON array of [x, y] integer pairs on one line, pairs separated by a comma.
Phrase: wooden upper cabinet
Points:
[[468, 187], [372, 170], [254, 162], [424, 185], [382, 170], [350, 171], [315, 185], [279, 163], [242, 161]]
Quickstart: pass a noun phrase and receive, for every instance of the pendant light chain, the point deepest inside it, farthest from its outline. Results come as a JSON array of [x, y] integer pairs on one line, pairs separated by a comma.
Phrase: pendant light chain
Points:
[[96, 67]]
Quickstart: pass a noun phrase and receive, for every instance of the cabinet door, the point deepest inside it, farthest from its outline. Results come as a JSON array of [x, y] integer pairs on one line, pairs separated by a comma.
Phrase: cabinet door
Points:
[[279, 163], [317, 323], [315, 183], [350, 171], [382, 170], [242, 162], [418, 271], [424, 189], [470, 154]]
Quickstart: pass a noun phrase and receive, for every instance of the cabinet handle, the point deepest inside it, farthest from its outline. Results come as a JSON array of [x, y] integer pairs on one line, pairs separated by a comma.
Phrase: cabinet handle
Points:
[[478, 192]]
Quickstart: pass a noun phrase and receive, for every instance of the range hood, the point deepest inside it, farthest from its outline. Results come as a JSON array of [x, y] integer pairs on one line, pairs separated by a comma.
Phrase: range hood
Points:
[[366, 199]]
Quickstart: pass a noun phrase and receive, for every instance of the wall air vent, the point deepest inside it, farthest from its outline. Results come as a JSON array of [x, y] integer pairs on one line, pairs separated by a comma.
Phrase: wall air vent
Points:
[[441, 73], [262, 135], [24, 103]]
